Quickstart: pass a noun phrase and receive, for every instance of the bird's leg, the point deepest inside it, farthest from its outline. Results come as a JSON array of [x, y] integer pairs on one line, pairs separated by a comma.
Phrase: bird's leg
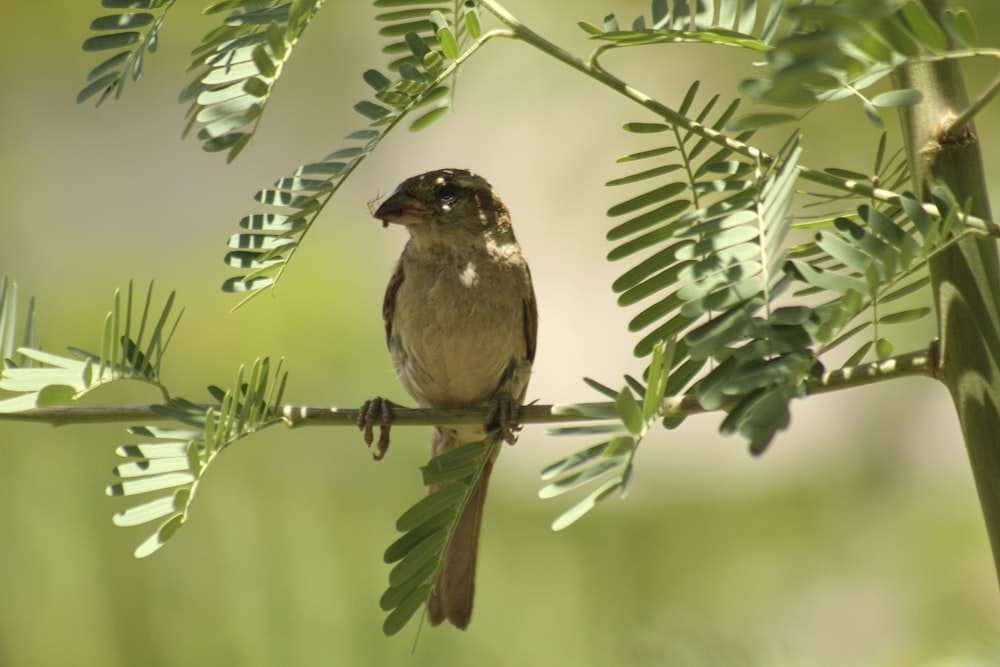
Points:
[[376, 412], [504, 413]]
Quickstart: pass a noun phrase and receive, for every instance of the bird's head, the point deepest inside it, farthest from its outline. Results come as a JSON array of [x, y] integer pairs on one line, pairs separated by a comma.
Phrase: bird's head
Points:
[[443, 203]]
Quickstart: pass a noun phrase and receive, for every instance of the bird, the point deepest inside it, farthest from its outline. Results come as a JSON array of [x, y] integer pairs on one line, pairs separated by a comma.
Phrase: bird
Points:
[[461, 324]]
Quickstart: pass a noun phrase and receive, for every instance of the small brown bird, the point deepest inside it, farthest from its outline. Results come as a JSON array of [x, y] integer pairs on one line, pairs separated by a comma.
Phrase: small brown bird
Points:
[[461, 324]]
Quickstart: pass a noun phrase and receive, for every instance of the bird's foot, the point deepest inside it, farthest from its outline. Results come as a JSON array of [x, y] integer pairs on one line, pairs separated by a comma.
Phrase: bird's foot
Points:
[[376, 412], [504, 414]]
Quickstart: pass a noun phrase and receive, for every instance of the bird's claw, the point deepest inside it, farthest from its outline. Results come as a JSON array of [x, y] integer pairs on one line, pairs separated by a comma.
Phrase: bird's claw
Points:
[[376, 412], [504, 413]]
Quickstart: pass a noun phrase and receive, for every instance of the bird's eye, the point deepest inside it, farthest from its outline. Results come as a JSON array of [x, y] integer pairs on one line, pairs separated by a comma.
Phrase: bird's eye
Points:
[[446, 192]]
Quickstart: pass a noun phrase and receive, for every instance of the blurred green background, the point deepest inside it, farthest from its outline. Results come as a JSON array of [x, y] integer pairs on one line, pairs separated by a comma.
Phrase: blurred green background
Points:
[[856, 540]]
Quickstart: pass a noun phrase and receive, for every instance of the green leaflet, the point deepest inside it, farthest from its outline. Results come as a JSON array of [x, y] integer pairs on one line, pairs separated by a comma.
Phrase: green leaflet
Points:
[[169, 463], [710, 289], [430, 506], [674, 22], [609, 464], [135, 33], [177, 456], [236, 67], [428, 527], [699, 230], [842, 49], [575, 460], [874, 259], [453, 465], [418, 89], [132, 347]]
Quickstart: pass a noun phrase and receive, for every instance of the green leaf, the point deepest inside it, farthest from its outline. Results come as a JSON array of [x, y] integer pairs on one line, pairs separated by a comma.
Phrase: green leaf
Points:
[[144, 513], [376, 80], [421, 579], [245, 54], [843, 251], [577, 511], [448, 43], [643, 175], [190, 447], [656, 378], [122, 21], [371, 110], [160, 537], [907, 97], [858, 354], [884, 348], [586, 429], [924, 26], [118, 40], [904, 290], [756, 121], [403, 612], [417, 46], [418, 553], [471, 18], [915, 210], [583, 410], [872, 114], [158, 450], [150, 483], [600, 388], [428, 549], [131, 4], [573, 461], [426, 119], [630, 412], [959, 24], [902, 316], [648, 219], [430, 506], [645, 128], [899, 39], [574, 480], [406, 543], [828, 280], [644, 155], [667, 191], [105, 84], [55, 394], [263, 62], [454, 464]]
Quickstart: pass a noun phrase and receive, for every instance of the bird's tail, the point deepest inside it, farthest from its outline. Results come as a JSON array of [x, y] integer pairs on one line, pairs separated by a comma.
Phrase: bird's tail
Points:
[[451, 598]]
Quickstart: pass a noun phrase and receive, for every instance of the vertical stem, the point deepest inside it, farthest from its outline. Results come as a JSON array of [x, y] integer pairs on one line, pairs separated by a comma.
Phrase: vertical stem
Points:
[[966, 277]]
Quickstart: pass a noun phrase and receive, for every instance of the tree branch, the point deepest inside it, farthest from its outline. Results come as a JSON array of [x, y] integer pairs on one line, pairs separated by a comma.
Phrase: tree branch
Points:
[[965, 279], [914, 363], [957, 125], [977, 226]]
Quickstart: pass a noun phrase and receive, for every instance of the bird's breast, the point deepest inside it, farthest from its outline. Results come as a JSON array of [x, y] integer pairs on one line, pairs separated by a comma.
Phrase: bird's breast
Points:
[[458, 327]]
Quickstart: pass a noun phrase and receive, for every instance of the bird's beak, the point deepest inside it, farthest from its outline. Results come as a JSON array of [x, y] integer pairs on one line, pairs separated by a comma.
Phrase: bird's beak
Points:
[[402, 209]]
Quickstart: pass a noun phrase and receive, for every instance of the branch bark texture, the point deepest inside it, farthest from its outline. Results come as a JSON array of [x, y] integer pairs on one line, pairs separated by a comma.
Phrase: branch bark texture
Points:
[[965, 278]]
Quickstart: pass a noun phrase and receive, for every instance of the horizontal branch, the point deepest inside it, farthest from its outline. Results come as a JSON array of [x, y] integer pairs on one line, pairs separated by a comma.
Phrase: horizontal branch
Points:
[[913, 363]]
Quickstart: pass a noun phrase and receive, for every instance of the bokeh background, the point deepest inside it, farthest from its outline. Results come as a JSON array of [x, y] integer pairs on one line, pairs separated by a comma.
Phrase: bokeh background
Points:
[[856, 540]]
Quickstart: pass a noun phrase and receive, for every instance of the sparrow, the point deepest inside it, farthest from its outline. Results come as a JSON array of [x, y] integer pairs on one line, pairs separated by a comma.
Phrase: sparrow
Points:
[[461, 324]]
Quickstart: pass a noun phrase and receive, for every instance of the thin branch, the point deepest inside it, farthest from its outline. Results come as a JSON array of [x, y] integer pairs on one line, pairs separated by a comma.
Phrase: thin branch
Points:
[[905, 365], [64, 415], [518, 30], [956, 126], [598, 73]]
